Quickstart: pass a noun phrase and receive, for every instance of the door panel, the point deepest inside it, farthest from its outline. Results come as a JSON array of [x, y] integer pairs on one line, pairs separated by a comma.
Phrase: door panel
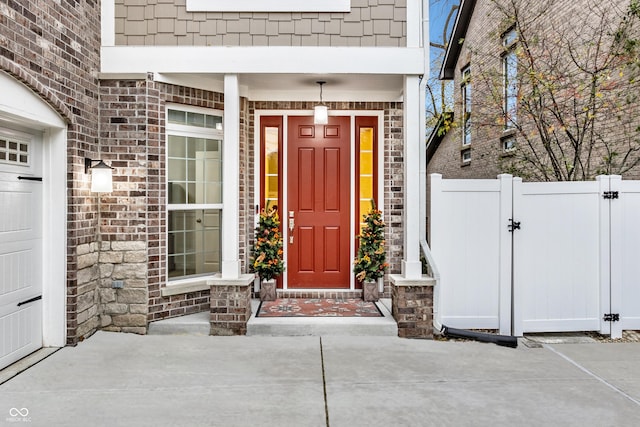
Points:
[[332, 249], [20, 254], [318, 195]]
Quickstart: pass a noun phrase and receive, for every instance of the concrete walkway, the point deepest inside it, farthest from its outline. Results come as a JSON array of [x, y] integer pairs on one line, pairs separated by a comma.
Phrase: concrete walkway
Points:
[[116, 379]]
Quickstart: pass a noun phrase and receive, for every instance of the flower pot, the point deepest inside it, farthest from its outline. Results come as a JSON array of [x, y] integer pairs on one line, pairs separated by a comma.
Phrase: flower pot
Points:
[[268, 290], [370, 291]]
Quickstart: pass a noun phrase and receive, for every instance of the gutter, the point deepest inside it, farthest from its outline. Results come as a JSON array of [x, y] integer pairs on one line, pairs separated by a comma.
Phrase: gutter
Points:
[[501, 340], [424, 247]]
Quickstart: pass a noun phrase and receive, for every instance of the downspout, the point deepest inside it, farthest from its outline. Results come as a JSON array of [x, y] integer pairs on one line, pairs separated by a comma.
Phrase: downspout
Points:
[[426, 252]]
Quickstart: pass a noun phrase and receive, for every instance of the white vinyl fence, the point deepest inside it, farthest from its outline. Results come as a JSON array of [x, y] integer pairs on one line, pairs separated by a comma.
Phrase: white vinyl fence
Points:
[[537, 257]]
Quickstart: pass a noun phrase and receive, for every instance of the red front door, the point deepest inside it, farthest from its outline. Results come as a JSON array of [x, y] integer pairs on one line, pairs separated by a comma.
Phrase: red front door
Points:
[[318, 203]]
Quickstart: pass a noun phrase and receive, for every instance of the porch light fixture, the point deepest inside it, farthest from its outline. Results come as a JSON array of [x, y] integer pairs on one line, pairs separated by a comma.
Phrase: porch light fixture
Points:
[[101, 175], [321, 111]]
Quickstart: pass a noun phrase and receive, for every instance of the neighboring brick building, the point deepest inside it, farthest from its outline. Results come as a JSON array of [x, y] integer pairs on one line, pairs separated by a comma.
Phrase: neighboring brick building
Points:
[[187, 100], [494, 92]]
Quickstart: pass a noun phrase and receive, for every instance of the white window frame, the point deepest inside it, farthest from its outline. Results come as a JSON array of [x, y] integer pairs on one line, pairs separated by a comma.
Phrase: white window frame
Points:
[[198, 132], [269, 6], [510, 88], [463, 153], [505, 141], [466, 104]]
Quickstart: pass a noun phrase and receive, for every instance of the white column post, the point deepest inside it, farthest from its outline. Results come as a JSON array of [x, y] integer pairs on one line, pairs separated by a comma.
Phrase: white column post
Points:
[[230, 178], [616, 256], [510, 313], [108, 22], [605, 252], [411, 265]]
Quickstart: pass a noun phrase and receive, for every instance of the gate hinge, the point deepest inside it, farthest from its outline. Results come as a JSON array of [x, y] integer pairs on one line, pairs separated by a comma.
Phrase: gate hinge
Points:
[[611, 317], [610, 195], [30, 178], [513, 225]]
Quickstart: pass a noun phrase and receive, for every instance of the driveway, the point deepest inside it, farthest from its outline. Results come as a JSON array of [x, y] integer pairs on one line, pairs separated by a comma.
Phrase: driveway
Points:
[[116, 379]]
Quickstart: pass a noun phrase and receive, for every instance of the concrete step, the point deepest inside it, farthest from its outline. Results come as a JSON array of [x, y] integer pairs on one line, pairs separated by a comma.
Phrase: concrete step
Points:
[[324, 326], [198, 324], [191, 324]]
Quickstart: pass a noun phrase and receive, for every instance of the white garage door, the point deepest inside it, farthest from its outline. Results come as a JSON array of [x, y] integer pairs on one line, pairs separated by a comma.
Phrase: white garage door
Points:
[[20, 245]]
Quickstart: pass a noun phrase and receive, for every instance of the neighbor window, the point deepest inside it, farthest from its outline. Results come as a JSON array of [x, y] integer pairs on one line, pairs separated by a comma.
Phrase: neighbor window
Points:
[[465, 156], [194, 190], [508, 144], [510, 79], [466, 106]]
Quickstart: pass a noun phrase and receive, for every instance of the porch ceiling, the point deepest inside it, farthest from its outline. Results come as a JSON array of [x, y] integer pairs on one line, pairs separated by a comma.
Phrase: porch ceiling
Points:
[[299, 87]]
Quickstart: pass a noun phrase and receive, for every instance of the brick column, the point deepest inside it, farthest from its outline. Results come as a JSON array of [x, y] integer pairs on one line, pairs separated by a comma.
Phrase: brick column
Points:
[[412, 307], [230, 305]]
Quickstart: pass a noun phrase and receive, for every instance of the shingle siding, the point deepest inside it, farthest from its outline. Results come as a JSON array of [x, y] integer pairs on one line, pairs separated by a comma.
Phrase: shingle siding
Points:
[[134, 20]]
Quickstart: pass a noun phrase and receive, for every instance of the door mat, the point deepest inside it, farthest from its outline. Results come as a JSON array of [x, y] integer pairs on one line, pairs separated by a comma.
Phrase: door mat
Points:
[[318, 307]]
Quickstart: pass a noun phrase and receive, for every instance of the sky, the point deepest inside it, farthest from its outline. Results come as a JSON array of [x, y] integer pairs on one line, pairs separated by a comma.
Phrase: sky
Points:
[[438, 12]]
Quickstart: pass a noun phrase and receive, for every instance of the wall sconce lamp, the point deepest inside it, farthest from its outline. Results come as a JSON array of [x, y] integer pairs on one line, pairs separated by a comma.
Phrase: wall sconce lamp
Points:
[[101, 175], [321, 111]]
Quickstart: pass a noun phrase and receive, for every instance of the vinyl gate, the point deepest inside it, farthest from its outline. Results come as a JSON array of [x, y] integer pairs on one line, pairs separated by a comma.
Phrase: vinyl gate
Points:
[[537, 257]]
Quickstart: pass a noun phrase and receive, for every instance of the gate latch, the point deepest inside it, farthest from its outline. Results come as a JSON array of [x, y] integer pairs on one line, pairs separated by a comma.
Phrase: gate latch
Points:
[[611, 317], [513, 225]]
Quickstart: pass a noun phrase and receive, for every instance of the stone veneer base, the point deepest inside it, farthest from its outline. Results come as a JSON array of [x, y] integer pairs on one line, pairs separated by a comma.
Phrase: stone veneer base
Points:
[[230, 304], [412, 306]]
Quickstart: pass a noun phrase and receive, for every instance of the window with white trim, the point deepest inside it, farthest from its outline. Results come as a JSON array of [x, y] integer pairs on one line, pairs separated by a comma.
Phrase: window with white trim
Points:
[[194, 191], [508, 144], [510, 79], [465, 156], [466, 105]]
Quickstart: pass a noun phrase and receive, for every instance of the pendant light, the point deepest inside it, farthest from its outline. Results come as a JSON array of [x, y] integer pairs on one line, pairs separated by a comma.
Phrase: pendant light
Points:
[[321, 111]]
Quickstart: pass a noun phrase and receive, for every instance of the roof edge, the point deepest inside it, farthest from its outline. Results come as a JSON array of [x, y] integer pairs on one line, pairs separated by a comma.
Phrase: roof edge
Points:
[[447, 71], [436, 137]]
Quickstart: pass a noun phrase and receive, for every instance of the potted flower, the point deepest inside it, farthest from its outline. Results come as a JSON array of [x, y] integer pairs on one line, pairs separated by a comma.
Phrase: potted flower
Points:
[[370, 262], [267, 253]]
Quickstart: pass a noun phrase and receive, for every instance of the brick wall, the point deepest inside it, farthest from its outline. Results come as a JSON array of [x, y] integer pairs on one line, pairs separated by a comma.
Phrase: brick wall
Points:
[[369, 23], [413, 310], [134, 214], [482, 49], [53, 48]]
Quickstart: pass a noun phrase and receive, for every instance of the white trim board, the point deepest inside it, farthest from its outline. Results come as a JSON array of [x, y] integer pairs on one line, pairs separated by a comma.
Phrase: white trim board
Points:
[[260, 87], [22, 107], [269, 6], [262, 60]]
